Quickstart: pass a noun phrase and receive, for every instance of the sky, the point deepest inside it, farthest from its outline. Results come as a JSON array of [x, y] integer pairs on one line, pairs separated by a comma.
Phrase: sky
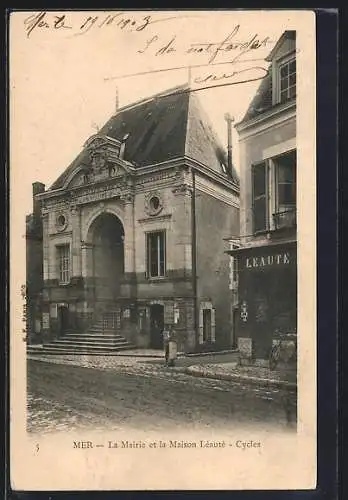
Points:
[[63, 80]]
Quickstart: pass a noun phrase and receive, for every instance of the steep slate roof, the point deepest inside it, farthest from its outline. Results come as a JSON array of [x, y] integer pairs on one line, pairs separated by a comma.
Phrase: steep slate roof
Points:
[[168, 125], [262, 100]]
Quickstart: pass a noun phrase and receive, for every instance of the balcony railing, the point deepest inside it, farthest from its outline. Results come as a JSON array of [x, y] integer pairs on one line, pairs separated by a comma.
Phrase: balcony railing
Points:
[[285, 219]]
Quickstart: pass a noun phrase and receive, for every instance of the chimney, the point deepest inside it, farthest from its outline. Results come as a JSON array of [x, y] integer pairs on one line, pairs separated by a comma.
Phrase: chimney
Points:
[[38, 187], [116, 101], [123, 146], [229, 119], [189, 77]]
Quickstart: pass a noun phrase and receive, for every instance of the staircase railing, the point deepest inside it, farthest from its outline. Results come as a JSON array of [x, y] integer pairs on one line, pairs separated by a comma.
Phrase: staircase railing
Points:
[[111, 320]]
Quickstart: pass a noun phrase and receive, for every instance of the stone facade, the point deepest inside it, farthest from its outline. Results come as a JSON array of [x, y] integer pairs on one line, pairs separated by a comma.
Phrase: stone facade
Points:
[[139, 245]]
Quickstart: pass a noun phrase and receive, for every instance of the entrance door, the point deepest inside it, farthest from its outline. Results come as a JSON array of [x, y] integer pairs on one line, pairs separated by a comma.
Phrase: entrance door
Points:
[[206, 325], [63, 319], [156, 326], [235, 316]]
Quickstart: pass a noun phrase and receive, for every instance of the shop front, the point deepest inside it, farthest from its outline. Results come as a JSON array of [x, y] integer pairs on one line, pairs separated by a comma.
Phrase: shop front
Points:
[[267, 296]]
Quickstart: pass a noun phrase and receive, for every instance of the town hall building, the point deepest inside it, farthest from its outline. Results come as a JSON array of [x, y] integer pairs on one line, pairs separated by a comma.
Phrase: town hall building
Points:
[[130, 237]]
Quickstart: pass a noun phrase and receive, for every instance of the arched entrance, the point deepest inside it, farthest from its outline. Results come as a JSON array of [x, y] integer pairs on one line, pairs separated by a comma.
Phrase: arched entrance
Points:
[[107, 259]]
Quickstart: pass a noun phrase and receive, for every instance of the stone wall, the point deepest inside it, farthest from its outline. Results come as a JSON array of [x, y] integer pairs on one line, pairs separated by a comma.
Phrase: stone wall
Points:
[[216, 220]]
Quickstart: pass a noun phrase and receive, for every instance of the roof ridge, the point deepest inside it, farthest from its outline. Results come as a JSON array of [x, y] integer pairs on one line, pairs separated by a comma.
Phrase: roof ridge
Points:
[[163, 93]]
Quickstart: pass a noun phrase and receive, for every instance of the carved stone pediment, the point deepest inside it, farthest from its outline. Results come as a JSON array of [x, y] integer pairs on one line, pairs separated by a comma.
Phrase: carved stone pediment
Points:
[[98, 141], [98, 168], [99, 161]]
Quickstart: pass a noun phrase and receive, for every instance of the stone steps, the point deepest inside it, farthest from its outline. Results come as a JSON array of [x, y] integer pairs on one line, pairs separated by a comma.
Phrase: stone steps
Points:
[[97, 340], [91, 337], [86, 343], [102, 351]]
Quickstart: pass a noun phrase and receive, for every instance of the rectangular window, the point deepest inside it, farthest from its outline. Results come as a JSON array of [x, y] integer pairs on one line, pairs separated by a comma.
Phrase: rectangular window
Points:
[[287, 80], [63, 255], [156, 254], [259, 183], [285, 193], [285, 172]]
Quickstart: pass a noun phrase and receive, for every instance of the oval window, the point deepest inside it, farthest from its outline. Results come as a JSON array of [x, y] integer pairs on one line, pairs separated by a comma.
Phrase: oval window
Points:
[[61, 221], [154, 203]]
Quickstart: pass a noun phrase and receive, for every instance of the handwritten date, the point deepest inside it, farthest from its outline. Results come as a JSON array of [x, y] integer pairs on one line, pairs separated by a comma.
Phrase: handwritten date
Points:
[[44, 20]]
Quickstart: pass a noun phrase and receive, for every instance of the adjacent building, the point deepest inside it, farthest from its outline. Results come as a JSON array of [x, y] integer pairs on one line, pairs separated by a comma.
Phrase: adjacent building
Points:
[[32, 290], [267, 253], [132, 232]]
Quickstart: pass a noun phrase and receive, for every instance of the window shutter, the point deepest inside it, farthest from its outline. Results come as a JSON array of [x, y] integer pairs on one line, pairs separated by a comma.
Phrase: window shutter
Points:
[[200, 326], [213, 325], [259, 184]]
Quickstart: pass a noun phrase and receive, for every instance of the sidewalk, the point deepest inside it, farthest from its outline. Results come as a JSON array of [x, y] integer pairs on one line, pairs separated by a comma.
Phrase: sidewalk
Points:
[[224, 366], [285, 379], [219, 366]]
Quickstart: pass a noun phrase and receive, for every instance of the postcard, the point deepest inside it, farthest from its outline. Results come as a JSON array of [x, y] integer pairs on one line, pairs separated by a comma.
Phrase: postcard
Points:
[[162, 250]]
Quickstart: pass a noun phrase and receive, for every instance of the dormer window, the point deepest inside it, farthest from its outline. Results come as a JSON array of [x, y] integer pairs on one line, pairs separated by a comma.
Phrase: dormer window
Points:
[[287, 80]]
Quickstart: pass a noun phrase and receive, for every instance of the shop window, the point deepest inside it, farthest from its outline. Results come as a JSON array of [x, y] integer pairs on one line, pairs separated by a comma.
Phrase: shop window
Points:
[[63, 257], [259, 183], [156, 254]]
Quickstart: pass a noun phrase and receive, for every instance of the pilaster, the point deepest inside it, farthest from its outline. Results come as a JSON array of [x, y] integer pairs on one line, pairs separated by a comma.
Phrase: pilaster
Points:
[[86, 259], [129, 233], [76, 245], [45, 243], [182, 216]]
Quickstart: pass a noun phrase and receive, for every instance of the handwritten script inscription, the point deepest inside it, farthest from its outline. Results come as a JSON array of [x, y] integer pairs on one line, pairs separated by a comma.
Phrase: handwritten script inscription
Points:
[[122, 21], [211, 49], [232, 49]]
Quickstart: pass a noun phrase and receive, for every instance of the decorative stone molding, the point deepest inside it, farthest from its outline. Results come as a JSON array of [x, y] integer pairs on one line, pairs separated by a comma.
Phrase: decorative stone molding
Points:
[[182, 189], [96, 193], [127, 198], [86, 245], [181, 173], [98, 160], [73, 209], [154, 178], [159, 218], [61, 221], [153, 203]]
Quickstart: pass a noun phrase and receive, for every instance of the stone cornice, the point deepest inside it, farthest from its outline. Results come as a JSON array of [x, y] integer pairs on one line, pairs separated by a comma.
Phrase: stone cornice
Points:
[[139, 174], [219, 179], [269, 118]]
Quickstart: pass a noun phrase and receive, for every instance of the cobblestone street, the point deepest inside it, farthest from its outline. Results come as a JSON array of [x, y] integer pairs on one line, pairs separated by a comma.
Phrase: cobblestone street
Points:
[[128, 393]]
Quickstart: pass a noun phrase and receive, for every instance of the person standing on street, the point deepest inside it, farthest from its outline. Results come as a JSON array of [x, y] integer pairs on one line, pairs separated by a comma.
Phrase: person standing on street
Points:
[[166, 339], [172, 347]]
